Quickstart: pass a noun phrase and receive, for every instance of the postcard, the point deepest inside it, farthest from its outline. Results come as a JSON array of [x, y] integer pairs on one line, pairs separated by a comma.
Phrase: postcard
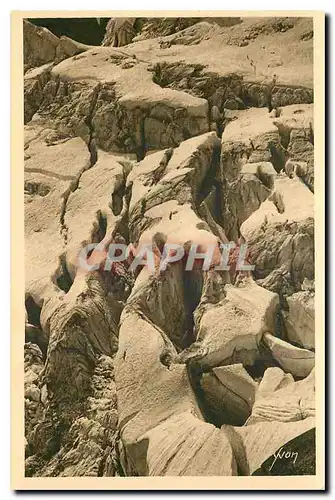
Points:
[[168, 327]]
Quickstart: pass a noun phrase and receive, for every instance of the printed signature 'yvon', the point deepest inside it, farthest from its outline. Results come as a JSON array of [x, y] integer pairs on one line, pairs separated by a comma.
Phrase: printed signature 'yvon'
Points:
[[288, 455]]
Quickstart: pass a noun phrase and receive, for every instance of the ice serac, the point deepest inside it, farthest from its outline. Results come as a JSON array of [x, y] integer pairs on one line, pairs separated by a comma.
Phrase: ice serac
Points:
[[189, 447], [280, 234], [33, 408], [229, 392], [230, 330], [160, 410], [52, 172], [296, 457], [42, 46], [191, 133], [119, 104], [150, 389], [34, 81], [39, 45], [255, 444], [296, 127], [157, 408], [166, 204], [82, 326], [300, 362], [295, 401], [273, 378], [91, 440], [300, 319], [121, 31]]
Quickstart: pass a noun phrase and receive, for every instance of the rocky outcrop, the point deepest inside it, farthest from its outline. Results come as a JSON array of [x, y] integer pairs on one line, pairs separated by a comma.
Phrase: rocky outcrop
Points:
[[196, 355]]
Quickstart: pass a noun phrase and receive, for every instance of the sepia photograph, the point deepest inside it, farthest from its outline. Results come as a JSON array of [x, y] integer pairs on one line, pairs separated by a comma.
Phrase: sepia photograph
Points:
[[171, 289]]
